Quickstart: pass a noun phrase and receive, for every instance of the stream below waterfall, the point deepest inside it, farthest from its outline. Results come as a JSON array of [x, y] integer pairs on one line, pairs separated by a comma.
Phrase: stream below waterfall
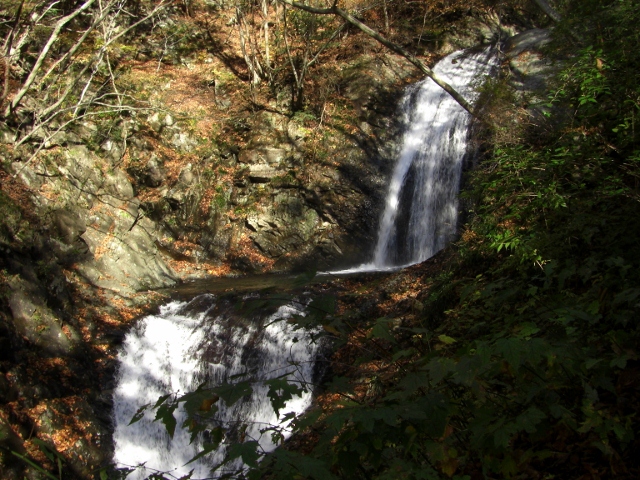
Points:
[[206, 341]]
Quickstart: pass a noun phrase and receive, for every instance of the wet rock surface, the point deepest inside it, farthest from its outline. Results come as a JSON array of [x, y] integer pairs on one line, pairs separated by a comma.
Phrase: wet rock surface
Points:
[[530, 68]]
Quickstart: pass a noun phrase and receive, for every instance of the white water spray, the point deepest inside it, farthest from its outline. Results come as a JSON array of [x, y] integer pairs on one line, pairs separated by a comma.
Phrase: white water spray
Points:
[[186, 345], [421, 209]]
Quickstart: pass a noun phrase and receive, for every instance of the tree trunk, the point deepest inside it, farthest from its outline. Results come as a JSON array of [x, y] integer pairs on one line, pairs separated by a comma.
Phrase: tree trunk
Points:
[[265, 26], [248, 51]]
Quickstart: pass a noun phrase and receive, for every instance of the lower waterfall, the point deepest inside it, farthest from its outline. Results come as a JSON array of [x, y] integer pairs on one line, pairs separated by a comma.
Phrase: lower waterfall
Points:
[[421, 207], [205, 341]]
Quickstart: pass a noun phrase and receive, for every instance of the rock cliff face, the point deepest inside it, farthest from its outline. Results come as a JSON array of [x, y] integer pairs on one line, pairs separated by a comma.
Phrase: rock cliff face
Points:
[[94, 220], [274, 194], [125, 210]]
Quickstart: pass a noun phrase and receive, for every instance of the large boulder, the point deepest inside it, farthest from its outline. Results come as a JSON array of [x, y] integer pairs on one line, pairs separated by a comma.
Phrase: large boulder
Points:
[[530, 73], [36, 322], [284, 228], [530, 68], [97, 223]]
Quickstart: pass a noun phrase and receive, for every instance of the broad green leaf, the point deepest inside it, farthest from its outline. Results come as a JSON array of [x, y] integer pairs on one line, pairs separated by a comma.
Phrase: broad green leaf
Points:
[[332, 330], [232, 392], [280, 392], [321, 306], [502, 435], [339, 384], [366, 418], [623, 434], [165, 414], [401, 468], [446, 339], [407, 352], [161, 400], [248, 451], [467, 369], [290, 464], [590, 363], [310, 418], [530, 418], [411, 383], [508, 467], [207, 403], [619, 362], [512, 350], [527, 329], [439, 368], [216, 436], [626, 296], [139, 414], [381, 329], [200, 402]]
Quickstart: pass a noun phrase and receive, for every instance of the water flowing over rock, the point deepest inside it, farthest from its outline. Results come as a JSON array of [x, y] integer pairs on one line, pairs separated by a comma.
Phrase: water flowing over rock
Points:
[[421, 210], [205, 341]]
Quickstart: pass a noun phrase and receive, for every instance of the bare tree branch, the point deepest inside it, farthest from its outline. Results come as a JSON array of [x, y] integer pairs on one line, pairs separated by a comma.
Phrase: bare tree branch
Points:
[[33, 76], [79, 42], [251, 59], [300, 72], [334, 10], [53, 103], [43, 54], [109, 108], [16, 22]]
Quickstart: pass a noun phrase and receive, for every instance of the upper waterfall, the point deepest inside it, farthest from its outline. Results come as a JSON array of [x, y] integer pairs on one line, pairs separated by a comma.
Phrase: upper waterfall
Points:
[[421, 208]]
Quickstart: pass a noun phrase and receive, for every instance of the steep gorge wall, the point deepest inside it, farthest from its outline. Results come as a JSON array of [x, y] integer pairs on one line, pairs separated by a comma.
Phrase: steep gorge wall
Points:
[[110, 210]]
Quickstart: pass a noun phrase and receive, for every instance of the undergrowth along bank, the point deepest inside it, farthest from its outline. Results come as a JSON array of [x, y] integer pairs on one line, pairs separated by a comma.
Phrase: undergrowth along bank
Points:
[[523, 361]]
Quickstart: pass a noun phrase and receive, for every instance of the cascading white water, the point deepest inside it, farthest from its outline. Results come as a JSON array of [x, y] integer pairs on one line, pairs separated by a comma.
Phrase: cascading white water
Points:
[[187, 344], [421, 207]]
